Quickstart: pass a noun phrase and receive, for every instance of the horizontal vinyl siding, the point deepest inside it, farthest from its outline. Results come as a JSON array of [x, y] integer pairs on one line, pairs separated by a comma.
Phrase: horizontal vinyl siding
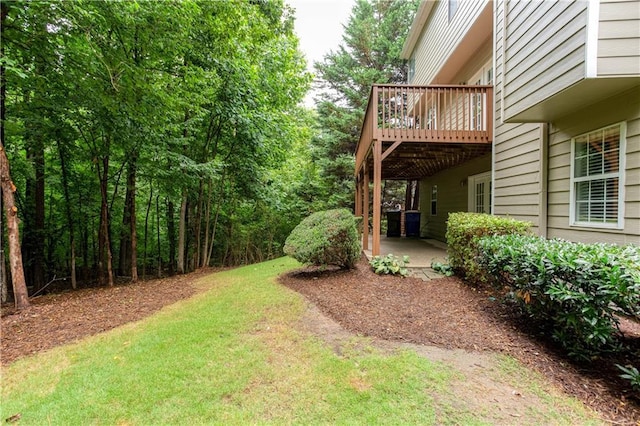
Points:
[[440, 37], [452, 196], [545, 51], [624, 107], [516, 168], [619, 38]]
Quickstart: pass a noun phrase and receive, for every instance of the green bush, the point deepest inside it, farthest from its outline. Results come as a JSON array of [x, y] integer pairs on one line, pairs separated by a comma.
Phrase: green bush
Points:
[[325, 238], [631, 374], [390, 265], [463, 232], [442, 268], [576, 288]]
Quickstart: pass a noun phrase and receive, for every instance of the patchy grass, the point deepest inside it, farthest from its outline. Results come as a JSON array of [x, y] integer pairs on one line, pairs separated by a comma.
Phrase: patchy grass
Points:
[[235, 354]]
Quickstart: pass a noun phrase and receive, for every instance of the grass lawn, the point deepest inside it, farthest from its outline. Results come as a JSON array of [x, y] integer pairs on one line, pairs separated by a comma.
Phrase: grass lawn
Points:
[[235, 354]]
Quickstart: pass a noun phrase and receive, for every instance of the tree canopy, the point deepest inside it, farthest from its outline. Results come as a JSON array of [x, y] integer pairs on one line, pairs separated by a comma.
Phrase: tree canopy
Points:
[[147, 134]]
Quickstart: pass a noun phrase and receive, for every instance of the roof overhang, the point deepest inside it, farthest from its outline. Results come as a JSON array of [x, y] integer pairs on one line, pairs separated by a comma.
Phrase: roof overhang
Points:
[[585, 92]]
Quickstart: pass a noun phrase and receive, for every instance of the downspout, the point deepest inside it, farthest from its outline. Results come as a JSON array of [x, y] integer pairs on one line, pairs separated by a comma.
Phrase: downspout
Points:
[[543, 200]]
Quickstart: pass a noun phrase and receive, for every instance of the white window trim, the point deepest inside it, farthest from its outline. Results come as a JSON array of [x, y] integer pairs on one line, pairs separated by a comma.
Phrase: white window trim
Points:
[[471, 193], [621, 182]]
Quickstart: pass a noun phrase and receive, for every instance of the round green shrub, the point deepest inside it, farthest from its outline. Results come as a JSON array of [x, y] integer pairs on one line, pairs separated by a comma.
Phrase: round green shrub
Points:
[[325, 238]]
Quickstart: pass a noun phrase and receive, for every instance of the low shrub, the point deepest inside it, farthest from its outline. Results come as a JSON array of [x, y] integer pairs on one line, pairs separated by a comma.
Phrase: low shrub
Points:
[[390, 264], [325, 238], [463, 232], [576, 288], [442, 268]]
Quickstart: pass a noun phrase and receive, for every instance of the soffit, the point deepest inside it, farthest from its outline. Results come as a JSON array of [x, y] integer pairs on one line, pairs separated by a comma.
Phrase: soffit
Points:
[[411, 160]]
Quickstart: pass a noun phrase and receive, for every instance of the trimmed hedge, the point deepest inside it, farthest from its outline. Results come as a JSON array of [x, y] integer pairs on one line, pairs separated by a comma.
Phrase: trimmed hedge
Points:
[[576, 288], [463, 232], [325, 238]]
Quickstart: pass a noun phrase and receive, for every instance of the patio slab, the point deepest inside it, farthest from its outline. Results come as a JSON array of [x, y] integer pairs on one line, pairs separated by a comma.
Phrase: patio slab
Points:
[[421, 252]]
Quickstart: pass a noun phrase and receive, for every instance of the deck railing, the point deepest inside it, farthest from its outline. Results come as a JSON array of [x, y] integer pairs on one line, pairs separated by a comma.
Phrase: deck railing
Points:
[[462, 114]]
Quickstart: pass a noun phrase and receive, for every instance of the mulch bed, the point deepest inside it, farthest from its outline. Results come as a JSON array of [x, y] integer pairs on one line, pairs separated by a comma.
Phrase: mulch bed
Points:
[[55, 319], [447, 313], [443, 312]]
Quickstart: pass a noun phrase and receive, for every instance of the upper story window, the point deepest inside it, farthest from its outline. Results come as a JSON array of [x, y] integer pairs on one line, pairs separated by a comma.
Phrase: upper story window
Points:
[[453, 7], [597, 173]]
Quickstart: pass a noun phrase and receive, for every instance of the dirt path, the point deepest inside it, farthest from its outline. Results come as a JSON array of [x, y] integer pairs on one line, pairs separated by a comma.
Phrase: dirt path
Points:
[[480, 387], [447, 314]]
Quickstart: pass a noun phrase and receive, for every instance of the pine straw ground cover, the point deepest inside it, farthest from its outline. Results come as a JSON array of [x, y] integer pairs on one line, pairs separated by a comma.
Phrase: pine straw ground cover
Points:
[[443, 312]]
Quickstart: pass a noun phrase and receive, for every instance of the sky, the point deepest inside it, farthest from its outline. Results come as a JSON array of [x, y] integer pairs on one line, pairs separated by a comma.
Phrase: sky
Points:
[[319, 27]]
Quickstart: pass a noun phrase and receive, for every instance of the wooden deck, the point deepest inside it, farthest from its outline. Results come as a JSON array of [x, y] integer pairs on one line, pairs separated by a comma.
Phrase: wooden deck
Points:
[[411, 132], [452, 115]]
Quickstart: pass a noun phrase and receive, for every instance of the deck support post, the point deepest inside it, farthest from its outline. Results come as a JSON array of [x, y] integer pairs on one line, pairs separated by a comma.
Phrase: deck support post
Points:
[[377, 195], [358, 201], [365, 206]]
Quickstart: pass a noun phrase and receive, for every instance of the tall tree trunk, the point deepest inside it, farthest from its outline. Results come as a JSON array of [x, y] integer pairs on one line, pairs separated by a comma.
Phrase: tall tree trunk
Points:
[[67, 202], [15, 254], [34, 215], [158, 235], [197, 223], [207, 214], [131, 187], [171, 230], [124, 256], [104, 240], [146, 231], [4, 290], [182, 233]]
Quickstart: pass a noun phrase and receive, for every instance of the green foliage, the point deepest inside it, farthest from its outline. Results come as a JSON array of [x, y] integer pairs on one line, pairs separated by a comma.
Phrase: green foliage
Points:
[[325, 238], [443, 268], [390, 265], [463, 232], [368, 54], [200, 99], [631, 374], [576, 288]]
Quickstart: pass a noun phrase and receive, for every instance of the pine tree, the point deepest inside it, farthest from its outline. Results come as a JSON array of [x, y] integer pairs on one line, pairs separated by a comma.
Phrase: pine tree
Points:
[[369, 54]]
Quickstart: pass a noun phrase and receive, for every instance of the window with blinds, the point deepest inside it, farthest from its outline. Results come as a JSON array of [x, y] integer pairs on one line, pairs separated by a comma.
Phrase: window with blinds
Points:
[[596, 177]]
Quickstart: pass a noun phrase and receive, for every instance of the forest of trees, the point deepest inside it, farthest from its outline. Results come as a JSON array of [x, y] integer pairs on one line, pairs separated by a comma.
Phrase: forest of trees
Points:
[[150, 138]]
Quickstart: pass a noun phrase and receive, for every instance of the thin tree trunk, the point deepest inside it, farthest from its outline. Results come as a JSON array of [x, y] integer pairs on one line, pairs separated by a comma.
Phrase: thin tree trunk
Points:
[[4, 290], [198, 224], [171, 230], [182, 228], [205, 245], [131, 187], [15, 254], [124, 253], [158, 234], [213, 231], [146, 232], [67, 201], [105, 241]]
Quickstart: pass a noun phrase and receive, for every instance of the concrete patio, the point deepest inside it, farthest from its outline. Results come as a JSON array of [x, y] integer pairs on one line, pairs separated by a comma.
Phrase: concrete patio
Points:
[[421, 252]]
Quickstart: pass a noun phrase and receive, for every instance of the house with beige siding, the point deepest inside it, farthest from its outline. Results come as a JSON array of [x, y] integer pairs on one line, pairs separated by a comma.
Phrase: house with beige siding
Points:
[[528, 109]]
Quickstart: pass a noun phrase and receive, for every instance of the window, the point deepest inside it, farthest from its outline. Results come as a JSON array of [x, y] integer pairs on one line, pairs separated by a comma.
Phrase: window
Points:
[[434, 200], [596, 178], [453, 7]]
